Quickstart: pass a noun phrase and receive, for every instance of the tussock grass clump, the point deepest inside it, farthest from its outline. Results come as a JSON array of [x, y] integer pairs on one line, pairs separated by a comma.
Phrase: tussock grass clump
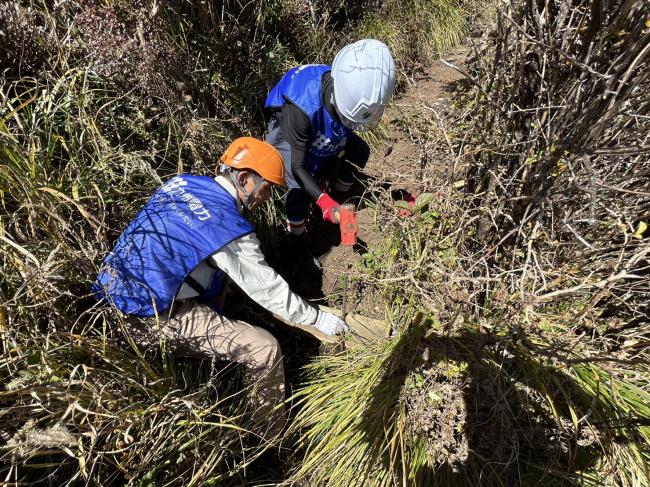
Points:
[[434, 407], [355, 439]]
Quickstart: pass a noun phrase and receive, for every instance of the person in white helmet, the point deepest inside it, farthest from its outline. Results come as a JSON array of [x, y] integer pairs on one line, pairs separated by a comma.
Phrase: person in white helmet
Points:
[[315, 110]]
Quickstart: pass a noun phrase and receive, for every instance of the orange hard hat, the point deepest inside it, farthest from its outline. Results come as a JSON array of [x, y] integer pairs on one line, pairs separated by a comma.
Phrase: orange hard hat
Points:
[[257, 155]]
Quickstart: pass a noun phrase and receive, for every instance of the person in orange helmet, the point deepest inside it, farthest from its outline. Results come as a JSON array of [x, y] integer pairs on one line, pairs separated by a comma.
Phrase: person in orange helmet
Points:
[[171, 261]]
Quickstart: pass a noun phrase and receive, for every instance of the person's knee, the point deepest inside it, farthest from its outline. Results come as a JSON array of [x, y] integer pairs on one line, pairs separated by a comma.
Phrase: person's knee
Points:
[[357, 152], [297, 205], [344, 179], [265, 349]]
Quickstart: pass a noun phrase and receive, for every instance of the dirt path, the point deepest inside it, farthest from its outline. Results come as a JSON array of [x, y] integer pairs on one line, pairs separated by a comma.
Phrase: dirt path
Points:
[[409, 125], [399, 163]]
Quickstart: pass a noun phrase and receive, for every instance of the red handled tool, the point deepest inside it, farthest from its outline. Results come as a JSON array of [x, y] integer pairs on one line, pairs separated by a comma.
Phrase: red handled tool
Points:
[[348, 224]]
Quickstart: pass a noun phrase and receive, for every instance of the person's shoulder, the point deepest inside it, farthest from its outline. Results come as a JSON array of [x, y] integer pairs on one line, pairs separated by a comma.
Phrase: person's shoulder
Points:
[[308, 70]]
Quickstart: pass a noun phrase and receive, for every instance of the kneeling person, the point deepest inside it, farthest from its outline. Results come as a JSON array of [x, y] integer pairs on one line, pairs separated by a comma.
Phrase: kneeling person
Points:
[[315, 110], [171, 260]]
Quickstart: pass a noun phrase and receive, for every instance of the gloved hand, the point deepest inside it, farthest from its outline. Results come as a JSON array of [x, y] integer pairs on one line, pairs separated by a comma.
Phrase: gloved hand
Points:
[[330, 324], [329, 207]]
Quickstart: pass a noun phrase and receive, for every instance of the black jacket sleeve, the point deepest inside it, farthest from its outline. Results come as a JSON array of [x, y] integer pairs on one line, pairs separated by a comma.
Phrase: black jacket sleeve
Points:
[[297, 131]]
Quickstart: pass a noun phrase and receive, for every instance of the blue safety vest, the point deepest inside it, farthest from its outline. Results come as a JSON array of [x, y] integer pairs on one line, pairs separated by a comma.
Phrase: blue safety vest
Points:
[[301, 86], [186, 220]]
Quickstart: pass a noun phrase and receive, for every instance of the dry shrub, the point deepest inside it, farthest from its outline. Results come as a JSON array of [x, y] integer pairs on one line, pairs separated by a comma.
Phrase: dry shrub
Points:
[[556, 176], [131, 50], [26, 39], [562, 111]]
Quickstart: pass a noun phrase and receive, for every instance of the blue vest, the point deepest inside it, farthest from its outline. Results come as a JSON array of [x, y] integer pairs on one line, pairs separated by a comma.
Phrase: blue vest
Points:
[[186, 220], [301, 86]]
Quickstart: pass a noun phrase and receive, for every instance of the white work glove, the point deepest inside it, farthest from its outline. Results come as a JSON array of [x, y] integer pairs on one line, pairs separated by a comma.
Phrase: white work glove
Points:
[[330, 324]]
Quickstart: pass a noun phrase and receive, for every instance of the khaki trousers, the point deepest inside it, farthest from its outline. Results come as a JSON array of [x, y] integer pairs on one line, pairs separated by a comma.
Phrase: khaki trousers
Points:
[[196, 330]]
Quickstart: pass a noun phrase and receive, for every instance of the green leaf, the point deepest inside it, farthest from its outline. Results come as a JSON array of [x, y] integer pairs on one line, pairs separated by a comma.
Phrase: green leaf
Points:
[[423, 200], [403, 204]]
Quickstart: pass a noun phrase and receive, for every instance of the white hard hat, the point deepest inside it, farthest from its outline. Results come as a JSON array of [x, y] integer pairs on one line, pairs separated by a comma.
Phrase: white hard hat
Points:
[[364, 78]]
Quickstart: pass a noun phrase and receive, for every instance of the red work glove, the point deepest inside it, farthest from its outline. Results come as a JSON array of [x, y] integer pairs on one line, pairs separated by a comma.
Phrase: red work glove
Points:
[[410, 199], [328, 206]]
